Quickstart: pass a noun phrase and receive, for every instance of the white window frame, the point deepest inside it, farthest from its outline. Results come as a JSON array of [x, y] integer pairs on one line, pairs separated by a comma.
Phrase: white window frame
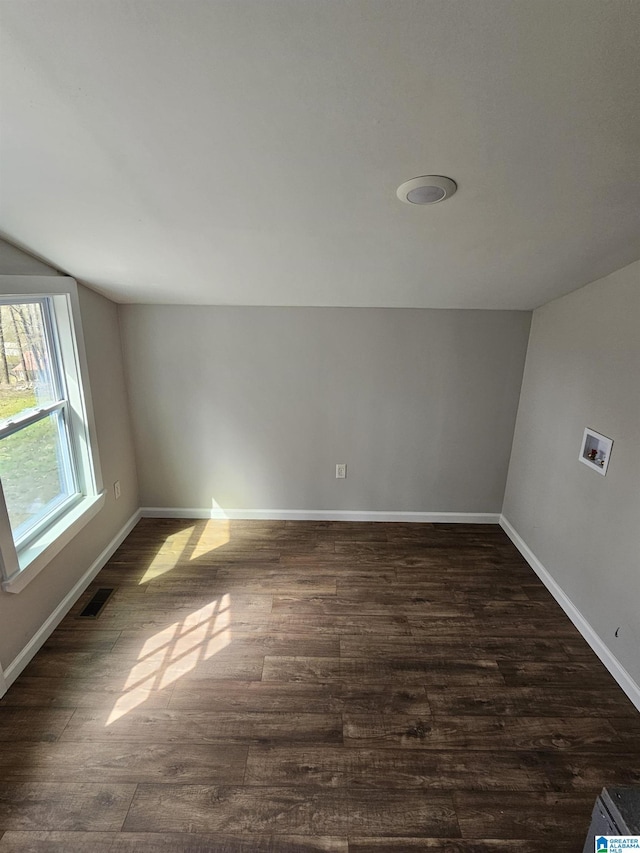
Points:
[[19, 566]]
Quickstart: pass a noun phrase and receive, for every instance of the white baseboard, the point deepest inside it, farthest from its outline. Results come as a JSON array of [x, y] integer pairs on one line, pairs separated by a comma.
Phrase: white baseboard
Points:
[[47, 628], [605, 654], [322, 515]]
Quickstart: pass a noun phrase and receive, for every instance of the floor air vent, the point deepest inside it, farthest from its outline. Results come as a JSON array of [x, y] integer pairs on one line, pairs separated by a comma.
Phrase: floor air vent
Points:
[[94, 607]]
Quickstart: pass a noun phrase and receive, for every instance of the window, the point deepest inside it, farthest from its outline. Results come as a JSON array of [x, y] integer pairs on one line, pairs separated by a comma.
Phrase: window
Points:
[[49, 475], [37, 466]]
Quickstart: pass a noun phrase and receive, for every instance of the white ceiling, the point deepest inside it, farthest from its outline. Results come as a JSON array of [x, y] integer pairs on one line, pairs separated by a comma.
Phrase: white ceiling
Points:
[[248, 151]]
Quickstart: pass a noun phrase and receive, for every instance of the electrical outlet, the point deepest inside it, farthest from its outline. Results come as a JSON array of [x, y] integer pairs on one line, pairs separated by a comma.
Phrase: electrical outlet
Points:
[[341, 470], [116, 489]]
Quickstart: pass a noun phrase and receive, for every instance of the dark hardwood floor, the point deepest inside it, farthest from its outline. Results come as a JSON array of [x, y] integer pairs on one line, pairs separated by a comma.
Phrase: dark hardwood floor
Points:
[[298, 687]]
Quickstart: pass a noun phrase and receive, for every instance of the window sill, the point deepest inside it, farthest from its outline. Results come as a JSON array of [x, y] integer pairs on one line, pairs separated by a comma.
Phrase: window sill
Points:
[[41, 551]]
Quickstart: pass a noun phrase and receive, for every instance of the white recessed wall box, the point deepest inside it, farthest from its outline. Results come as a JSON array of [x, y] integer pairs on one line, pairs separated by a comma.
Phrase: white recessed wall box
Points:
[[595, 451]]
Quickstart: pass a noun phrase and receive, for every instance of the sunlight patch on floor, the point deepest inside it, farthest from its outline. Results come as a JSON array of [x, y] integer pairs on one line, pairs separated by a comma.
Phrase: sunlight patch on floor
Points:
[[214, 535], [169, 555], [173, 652]]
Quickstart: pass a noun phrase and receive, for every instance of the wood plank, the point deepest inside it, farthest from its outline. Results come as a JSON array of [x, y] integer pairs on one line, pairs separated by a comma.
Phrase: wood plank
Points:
[[123, 761], [551, 701], [492, 609], [394, 625], [193, 842], [88, 639], [564, 734], [491, 627], [579, 648], [155, 671], [64, 806], [389, 769], [453, 845], [546, 817], [453, 648], [308, 669], [325, 605], [587, 771], [348, 575], [382, 551], [149, 617], [300, 697], [431, 673], [399, 670], [628, 731], [384, 647], [52, 841], [34, 724], [397, 731], [174, 726], [521, 649], [239, 604], [200, 808], [83, 692], [574, 674], [249, 697], [236, 582], [426, 599], [138, 644]]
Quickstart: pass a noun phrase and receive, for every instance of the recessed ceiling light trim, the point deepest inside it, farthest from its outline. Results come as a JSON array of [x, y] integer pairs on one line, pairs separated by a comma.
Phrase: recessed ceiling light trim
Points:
[[428, 189]]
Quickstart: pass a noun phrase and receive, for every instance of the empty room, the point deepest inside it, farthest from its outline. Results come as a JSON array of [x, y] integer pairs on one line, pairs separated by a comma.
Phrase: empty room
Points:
[[319, 426]]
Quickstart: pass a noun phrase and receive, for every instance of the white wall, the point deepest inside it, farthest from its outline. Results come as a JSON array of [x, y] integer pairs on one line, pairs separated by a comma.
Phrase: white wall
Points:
[[253, 407], [583, 369], [15, 262], [22, 614]]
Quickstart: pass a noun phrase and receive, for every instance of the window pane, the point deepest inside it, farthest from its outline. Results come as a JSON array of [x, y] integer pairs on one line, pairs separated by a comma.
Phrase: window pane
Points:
[[27, 374], [36, 472]]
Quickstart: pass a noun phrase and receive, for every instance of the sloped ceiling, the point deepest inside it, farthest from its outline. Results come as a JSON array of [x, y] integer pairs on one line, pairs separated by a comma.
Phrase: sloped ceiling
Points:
[[248, 151]]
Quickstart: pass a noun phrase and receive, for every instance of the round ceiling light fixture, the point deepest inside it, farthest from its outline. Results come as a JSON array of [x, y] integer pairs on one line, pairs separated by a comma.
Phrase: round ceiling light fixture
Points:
[[429, 189]]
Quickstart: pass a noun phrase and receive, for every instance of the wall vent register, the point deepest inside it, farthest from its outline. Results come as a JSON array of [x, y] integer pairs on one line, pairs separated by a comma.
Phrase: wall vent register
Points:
[[96, 605]]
